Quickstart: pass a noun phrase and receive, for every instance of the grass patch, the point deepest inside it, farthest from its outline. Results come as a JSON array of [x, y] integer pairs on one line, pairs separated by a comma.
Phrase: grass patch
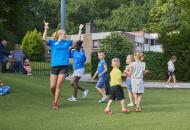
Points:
[[28, 107]]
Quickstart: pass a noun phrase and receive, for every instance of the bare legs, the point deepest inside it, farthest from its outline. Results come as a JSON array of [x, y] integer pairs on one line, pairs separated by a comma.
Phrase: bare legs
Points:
[[101, 91], [169, 80], [138, 98], [53, 82], [60, 80], [123, 107], [75, 85], [55, 86], [130, 94], [135, 97]]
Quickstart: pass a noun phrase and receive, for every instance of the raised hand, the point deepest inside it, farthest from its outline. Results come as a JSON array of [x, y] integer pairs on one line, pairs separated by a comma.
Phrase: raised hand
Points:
[[46, 25], [81, 26]]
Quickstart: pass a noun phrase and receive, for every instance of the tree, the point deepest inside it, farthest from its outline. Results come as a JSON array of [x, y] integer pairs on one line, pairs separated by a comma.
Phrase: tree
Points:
[[83, 11], [126, 18], [117, 46], [164, 14]]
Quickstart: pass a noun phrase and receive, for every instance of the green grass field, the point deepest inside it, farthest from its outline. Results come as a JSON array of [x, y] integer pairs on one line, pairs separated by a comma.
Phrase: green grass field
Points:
[[28, 107]]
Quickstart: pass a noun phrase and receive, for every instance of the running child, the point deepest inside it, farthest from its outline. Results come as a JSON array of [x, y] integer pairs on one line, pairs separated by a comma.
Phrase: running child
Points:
[[116, 91], [127, 73], [102, 73], [79, 59], [171, 72], [137, 69]]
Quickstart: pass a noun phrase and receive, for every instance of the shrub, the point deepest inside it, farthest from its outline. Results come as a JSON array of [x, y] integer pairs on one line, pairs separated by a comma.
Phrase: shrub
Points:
[[88, 67], [32, 44]]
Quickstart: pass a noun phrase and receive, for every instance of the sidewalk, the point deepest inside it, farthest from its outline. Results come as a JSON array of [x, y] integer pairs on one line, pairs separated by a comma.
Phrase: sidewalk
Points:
[[87, 78]]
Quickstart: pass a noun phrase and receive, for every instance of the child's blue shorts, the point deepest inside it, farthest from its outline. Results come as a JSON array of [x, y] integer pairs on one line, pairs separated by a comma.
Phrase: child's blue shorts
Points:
[[129, 86], [101, 83]]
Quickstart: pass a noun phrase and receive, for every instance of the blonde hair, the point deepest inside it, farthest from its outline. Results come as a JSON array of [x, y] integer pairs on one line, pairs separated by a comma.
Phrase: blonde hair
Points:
[[60, 31], [115, 63], [173, 58], [131, 56], [137, 56], [55, 36]]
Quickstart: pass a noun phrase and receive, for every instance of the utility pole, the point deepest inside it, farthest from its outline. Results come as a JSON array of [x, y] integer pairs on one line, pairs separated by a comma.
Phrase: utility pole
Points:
[[63, 14]]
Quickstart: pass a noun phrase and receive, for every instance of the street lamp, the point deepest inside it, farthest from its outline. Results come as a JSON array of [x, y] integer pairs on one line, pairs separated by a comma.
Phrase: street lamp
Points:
[[63, 14]]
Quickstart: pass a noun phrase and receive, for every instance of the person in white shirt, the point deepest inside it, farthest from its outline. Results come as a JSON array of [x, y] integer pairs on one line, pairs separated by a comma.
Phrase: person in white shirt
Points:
[[171, 70]]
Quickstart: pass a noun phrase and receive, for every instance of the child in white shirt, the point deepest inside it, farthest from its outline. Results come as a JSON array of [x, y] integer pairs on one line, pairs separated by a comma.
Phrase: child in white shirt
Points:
[[171, 70]]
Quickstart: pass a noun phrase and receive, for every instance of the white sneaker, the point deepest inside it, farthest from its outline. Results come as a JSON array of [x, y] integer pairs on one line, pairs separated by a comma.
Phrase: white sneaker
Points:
[[72, 99], [103, 100], [85, 93], [100, 101], [130, 104], [168, 86]]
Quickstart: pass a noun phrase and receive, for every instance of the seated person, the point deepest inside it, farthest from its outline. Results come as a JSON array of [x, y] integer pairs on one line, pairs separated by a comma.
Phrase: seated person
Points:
[[9, 65], [27, 68]]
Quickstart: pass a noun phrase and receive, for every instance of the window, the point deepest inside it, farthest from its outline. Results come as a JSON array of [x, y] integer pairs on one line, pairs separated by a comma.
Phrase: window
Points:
[[146, 41], [137, 44], [156, 42], [152, 42], [96, 44]]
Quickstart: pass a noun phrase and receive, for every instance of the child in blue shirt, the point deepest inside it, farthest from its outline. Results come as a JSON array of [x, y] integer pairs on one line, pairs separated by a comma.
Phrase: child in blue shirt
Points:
[[79, 59], [101, 72]]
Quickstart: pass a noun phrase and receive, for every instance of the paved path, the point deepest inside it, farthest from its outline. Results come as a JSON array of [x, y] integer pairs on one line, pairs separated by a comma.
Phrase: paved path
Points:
[[87, 78]]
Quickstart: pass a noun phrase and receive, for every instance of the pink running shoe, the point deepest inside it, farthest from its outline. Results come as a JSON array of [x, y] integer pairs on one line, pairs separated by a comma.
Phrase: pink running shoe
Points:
[[55, 105], [109, 112], [125, 110]]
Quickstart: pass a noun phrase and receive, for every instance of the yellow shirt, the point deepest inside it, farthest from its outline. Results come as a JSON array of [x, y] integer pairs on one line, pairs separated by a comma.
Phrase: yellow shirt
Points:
[[115, 76]]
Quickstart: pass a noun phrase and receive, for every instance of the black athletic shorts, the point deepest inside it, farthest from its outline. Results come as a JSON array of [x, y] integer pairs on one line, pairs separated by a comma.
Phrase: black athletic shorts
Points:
[[62, 69], [170, 73], [116, 92]]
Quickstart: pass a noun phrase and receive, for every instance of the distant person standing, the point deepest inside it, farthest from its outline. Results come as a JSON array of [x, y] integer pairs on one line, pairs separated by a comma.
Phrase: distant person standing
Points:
[[18, 56], [171, 70], [4, 53]]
